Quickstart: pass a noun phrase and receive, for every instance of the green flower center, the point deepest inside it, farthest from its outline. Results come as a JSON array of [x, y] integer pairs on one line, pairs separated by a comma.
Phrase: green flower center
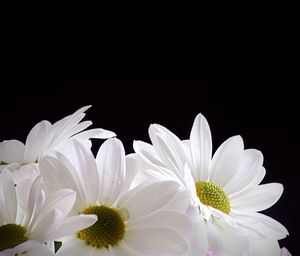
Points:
[[212, 195], [11, 235], [107, 231]]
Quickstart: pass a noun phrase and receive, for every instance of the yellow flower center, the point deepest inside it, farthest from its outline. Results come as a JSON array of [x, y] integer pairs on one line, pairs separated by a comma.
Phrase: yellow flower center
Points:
[[11, 235], [212, 195], [107, 231]]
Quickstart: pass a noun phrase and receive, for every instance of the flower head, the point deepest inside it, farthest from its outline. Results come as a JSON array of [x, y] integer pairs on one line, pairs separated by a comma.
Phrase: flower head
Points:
[[225, 187], [130, 222], [43, 220], [22, 158]]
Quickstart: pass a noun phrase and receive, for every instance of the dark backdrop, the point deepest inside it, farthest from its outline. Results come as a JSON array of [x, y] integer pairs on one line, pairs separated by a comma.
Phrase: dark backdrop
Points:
[[243, 79]]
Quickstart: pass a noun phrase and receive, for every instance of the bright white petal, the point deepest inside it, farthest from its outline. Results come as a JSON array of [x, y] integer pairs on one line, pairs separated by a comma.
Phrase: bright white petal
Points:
[[146, 200], [98, 133], [265, 247], [257, 199], [201, 148], [83, 160], [168, 219], [8, 198], [28, 248], [157, 241], [71, 225], [111, 165], [249, 174], [11, 151], [226, 160], [147, 152], [74, 247], [263, 224], [44, 230], [37, 140], [57, 176]]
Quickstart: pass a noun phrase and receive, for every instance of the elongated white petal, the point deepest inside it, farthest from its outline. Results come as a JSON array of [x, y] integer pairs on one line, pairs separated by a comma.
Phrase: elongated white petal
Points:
[[201, 148], [226, 160], [257, 199], [170, 155], [28, 248], [37, 140], [146, 200], [168, 219], [265, 225], [83, 160], [75, 247], [71, 225], [62, 199], [11, 151], [8, 198], [111, 165], [45, 227], [157, 241], [97, 133], [265, 247], [249, 174], [147, 152], [57, 176]]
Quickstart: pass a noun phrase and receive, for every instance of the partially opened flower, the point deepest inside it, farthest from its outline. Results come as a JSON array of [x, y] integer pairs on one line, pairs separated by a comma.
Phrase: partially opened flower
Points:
[[224, 187], [21, 158], [142, 221], [26, 230]]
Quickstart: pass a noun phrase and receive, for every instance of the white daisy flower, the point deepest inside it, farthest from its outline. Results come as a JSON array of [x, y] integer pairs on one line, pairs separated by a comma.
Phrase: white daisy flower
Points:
[[21, 158], [24, 231], [225, 187], [138, 222]]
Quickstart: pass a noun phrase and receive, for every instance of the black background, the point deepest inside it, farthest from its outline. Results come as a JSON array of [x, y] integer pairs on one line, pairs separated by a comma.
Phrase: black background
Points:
[[243, 78]]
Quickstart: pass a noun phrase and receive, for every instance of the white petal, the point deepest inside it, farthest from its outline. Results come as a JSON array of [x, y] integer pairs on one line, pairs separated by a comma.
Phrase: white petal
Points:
[[265, 225], [57, 176], [132, 168], [168, 219], [201, 147], [75, 247], [285, 252], [111, 165], [83, 160], [170, 155], [37, 140], [44, 230], [168, 146], [11, 151], [64, 128], [157, 241], [258, 198], [249, 174], [226, 160], [28, 248], [71, 225], [147, 152], [98, 133], [8, 198], [62, 200], [145, 200], [265, 247]]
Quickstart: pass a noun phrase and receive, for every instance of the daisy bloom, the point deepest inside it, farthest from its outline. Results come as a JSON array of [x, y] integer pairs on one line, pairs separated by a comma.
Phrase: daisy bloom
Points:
[[141, 221], [224, 187], [22, 158], [25, 231]]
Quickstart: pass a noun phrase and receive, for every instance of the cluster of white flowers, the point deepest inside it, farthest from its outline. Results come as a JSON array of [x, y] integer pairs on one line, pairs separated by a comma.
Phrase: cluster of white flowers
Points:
[[171, 197]]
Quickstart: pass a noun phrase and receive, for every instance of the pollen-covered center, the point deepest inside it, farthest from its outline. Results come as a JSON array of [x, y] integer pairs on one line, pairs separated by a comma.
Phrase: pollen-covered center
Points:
[[107, 231], [212, 195], [11, 235]]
